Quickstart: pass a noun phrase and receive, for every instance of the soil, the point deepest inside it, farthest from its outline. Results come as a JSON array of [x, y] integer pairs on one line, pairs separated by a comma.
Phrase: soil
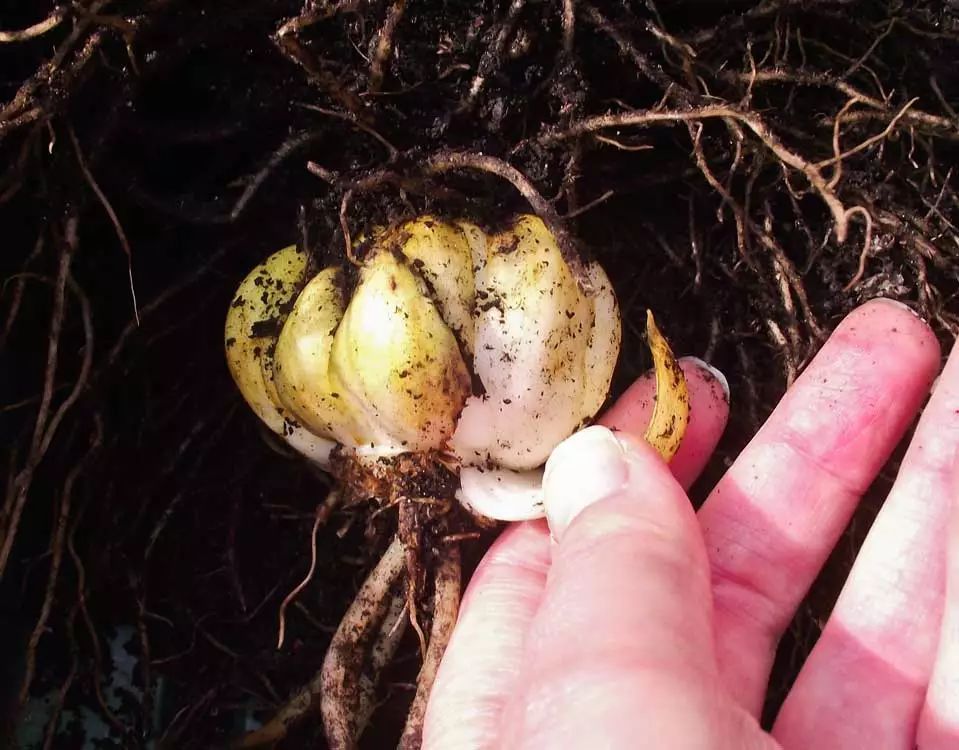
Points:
[[170, 146]]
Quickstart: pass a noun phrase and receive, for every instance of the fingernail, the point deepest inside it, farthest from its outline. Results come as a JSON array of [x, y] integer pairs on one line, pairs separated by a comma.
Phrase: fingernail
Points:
[[584, 469], [715, 373]]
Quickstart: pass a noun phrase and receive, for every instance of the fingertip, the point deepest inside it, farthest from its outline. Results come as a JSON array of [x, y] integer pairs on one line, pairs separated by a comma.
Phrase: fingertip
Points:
[[894, 306], [708, 393], [584, 469], [595, 465], [882, 320], [650, 508], [709, 413], [713, 375]]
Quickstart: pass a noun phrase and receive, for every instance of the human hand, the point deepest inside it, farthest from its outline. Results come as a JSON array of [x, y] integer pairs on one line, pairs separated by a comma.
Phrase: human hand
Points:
[[647, 624]]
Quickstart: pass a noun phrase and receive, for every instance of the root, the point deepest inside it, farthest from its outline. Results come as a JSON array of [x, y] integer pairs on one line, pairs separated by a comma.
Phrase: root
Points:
[[46, 424], [56, 73], [53, 723], [392, 151], [412, 608], [114, 219], [384, 45], [384, 649], [445, 161], [589, 206], [286, 38], [941, 126], [450, 160], [340, 690], [323, 512], [18, 287], [644, 118], [569, 27], [171, 291], [409, 534], [57, 546], [498, 93], [492, 56], [12, 179], [143, 635], [345, 228], [313, 13], [650, 70], [446, 600], [368, 183], [890, 126], [866, 247], [304, 702], [38, 29], [287, 149], [765, 236], [105, 709]]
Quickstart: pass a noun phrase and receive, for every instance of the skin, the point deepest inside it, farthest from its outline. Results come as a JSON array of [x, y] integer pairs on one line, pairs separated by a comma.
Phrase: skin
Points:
[[642, 623]]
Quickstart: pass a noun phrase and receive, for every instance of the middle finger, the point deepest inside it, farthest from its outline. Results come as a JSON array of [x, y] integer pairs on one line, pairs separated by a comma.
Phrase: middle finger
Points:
[[774, 518]]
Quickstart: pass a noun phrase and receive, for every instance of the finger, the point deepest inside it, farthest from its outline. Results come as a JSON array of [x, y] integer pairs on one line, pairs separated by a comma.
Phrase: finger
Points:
[[709, 412], [625, 619], [773, 519], [939, 719], [478, 672], [865, 681]]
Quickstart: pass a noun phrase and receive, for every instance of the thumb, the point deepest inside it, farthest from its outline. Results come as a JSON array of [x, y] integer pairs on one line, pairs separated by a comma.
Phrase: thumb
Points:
[[629, 553], [620, 653]]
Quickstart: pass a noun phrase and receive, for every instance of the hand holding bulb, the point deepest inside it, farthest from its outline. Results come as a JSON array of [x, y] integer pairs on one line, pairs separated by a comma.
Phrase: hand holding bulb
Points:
[[448, 363], [642, 623]]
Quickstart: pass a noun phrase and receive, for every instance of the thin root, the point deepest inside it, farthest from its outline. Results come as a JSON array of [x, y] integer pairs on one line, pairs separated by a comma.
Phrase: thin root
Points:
[[866, 246], [445, 161], [320, 517], [57, 545], [114, 219], [409, 533], [493, 54], [757, 125]]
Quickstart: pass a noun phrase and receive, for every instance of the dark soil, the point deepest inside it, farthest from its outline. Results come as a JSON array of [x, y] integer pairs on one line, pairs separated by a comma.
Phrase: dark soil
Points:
[[158, 503]]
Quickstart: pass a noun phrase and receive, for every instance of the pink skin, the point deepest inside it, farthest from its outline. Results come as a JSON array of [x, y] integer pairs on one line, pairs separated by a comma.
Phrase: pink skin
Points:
[[644, 624]]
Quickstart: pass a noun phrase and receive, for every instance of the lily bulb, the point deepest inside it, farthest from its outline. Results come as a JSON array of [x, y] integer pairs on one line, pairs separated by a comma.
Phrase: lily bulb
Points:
[[483, 349]]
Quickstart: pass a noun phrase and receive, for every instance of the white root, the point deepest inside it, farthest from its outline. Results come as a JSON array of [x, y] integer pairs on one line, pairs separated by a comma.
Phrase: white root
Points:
[[381, 655], [301, 705], [446, 601], [342, 693], [347, 705]]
